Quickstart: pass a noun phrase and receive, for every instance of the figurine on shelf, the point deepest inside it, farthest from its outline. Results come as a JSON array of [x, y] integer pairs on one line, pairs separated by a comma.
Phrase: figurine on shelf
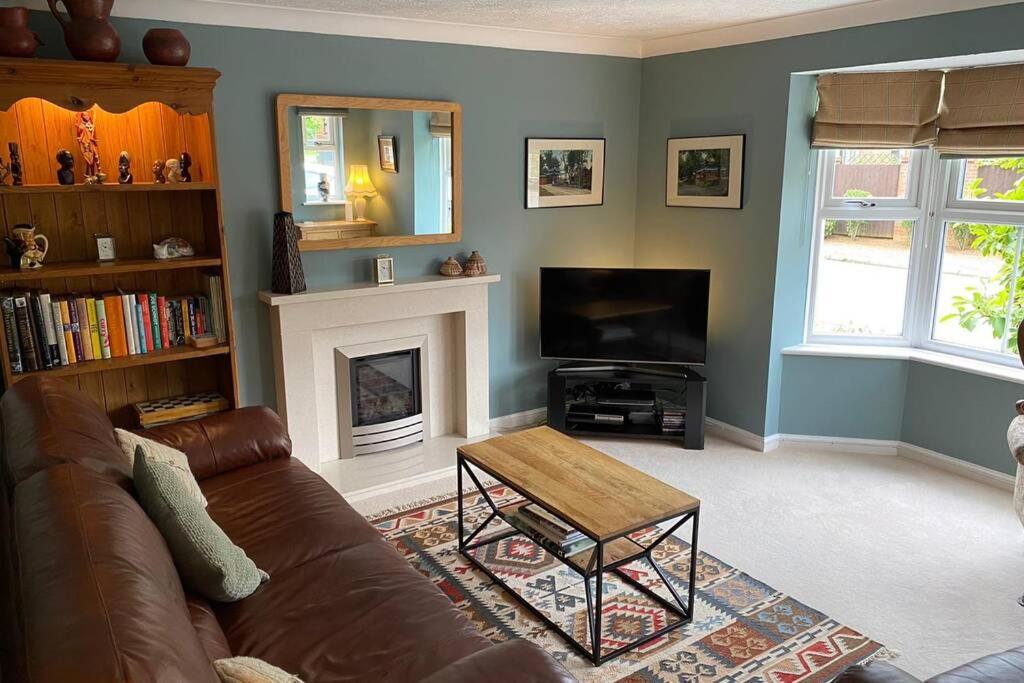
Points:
[[172, 170], [172, 247], [5, 171], [124, 169], [158, 172], [24, 247], [185, 167], [85, 133], [324, 188], [16, 177], [66, 172]]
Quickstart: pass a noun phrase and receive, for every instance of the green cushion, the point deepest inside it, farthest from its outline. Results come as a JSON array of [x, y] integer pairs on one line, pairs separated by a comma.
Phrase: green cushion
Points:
[[208, 562]]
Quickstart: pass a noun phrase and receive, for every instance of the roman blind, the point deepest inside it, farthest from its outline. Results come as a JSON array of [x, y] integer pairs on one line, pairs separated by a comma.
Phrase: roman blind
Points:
[[982, 112], [890, 110], [441, 124]]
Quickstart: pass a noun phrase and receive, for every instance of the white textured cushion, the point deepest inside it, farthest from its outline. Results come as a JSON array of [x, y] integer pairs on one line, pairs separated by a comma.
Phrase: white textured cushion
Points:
[[158, 452], [251, 670]]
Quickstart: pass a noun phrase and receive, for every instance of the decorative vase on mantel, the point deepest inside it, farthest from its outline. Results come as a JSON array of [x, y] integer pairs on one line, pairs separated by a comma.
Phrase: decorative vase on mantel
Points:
[[451, 267], [475, 265], [16, 38], [287, 276], [88, 32]]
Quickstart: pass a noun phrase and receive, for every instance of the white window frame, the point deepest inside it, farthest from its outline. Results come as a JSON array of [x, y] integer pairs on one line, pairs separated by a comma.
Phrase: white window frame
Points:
[[931, 203], [337, 195]]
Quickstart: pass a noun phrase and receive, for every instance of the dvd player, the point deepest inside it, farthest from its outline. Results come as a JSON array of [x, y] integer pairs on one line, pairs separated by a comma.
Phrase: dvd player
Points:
[[626, 398], [595, 417]]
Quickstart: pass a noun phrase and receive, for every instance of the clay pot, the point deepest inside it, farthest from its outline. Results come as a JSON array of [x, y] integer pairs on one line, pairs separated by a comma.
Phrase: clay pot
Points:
[[166, 47], [475, 265], [87, 29], [16, 38], [451, 267]]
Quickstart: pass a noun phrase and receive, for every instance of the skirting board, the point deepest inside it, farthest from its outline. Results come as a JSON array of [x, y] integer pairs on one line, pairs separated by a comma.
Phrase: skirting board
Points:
[[527, 418]]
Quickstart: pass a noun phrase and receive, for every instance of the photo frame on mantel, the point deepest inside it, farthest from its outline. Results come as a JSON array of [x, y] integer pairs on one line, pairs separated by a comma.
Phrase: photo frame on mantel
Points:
[[705, 172]]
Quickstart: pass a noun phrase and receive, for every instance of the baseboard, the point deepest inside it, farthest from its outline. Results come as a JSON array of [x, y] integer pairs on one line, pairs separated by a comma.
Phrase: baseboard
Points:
[[956, 466], [844, 444], [526, 418], [724, 430]]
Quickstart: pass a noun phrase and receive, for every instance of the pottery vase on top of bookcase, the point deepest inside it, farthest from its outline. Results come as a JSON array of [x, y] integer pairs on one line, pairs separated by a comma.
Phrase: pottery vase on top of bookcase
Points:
[[150, 113]]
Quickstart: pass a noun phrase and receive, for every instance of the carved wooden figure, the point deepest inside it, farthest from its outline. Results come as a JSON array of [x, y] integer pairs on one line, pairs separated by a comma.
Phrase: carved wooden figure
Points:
[[124, 169], [158, 172], [66, 172], [85, 134], [186, 167], [16, 172]]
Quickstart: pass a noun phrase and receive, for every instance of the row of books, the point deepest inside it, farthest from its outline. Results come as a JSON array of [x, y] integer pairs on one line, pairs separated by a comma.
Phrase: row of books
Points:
[[46, 331], [551, 531]]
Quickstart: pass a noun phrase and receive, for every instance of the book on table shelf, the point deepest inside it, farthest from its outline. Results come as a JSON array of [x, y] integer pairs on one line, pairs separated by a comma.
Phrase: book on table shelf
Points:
[[551, 531], [45, 330]]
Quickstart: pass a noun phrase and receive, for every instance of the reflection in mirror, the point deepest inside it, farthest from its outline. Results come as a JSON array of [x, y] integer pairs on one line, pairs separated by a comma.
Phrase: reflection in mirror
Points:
[[359, 172]]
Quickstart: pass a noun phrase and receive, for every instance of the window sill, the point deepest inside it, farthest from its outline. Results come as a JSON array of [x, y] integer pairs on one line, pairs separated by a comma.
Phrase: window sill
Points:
[[942, 360]]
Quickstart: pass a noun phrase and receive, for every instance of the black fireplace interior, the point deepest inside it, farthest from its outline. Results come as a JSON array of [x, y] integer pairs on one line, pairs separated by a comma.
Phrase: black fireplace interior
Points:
[[385, 387]]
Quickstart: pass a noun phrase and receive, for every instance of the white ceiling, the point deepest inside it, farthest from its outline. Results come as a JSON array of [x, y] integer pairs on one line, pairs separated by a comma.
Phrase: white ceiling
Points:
[[628, 28]]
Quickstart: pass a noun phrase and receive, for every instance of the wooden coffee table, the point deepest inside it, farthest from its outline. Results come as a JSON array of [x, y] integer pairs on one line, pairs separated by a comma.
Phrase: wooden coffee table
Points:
[[602, 497]]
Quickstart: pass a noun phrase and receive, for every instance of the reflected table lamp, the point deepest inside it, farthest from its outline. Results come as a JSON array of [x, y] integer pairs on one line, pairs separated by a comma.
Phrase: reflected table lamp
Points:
[[360, 187]]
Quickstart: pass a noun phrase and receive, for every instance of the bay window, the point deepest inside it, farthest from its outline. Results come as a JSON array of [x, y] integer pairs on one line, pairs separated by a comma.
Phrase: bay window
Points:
[[914, 249]]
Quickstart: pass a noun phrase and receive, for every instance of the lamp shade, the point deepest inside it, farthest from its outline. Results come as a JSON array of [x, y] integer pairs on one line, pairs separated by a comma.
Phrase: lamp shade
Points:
[[359, 183]]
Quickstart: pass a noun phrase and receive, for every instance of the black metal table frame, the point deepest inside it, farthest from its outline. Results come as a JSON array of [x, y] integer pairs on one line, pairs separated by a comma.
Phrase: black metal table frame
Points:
[[594, 604]]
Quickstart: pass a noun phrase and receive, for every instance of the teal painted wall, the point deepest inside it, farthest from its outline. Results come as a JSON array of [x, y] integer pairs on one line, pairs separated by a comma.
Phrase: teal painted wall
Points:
[[507, 95], [758, 255]]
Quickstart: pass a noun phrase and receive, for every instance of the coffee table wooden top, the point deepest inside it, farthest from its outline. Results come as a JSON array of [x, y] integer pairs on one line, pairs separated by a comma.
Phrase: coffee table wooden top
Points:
[[592, 491]]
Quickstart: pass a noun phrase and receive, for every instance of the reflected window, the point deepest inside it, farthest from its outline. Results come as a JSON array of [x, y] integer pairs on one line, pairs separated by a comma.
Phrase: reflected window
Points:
[[323, 159]]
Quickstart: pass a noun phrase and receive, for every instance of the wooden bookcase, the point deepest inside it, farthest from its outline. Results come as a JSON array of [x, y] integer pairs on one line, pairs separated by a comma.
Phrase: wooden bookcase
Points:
[[152, 113]]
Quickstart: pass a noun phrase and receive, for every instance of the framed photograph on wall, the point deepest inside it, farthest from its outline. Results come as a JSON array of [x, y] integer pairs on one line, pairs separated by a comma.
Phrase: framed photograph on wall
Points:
[[564, 172], [705, 172], [387, 149]]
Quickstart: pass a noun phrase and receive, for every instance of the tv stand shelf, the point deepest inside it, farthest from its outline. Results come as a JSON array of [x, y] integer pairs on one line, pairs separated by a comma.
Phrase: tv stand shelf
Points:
[[576, 387]]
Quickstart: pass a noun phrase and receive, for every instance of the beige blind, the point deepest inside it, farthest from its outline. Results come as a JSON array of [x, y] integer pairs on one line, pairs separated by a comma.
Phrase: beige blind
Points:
[[441, 124], [983, 112], [889, 110]]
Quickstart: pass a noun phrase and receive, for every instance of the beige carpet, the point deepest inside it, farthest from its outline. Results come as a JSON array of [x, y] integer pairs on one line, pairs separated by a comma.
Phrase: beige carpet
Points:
[[929, 563]]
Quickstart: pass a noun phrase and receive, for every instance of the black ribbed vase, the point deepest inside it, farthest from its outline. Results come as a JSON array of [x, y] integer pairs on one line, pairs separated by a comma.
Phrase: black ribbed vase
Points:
[[287, 277]]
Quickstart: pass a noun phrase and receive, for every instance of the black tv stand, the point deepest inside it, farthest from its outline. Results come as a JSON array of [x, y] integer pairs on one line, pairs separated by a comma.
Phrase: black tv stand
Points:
[[659, 401]]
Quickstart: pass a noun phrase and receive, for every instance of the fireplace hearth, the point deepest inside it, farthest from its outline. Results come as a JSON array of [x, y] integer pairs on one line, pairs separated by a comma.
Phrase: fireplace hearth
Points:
[[387, 408]]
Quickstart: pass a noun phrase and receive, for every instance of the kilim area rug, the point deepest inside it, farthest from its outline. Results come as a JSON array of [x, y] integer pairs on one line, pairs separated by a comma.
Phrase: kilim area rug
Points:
[[743, 630]]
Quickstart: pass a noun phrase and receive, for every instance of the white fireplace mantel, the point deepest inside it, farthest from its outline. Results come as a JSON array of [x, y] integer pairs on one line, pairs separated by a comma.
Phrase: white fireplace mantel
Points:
[[308, 329]]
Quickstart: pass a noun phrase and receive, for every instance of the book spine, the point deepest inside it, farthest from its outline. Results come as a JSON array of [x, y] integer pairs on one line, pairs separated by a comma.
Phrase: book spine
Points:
[[140, 329], [103, 323], [542, 540], [11, 330], [94, 328], [51, 331], [186, 329], [69, 340], [24, 322], [192, 328], [204, 315], [58, 328], [145, 321], [218, 295], [179, 329], [115, 324], [165, 331], [131, 333], [39, 330], [76, 330], [154, 320]]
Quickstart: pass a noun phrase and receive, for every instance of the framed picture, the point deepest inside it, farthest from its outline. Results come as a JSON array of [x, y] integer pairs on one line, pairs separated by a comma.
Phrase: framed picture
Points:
[[564, 172], [105, 249], [387, 149], [705, 172], [384, 270]]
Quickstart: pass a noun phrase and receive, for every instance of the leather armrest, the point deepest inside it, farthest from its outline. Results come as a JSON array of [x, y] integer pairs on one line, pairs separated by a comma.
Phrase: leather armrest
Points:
[[226, 441], [1003, 666], [514, 661], [875, 672]]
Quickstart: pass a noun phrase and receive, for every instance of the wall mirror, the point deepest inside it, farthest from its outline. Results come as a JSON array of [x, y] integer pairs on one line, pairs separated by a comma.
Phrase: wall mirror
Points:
[[360, 172]]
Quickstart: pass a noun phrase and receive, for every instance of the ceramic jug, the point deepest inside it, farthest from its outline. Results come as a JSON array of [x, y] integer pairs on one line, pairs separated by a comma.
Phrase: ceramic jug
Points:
[[26, 238], [16, 38], [87, 29]]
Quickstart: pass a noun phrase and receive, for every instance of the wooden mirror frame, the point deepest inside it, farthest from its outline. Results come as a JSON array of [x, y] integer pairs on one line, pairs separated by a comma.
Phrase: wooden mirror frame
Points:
[[285, 101]]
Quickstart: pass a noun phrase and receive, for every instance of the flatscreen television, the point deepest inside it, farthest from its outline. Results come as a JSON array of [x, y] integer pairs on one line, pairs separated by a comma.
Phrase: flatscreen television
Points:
[[627, 315]]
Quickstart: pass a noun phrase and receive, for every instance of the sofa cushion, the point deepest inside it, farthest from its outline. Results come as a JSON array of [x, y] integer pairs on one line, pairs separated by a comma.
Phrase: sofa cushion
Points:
[[360, 614], [209, 563], [98, 591], [46, 422], [251, 670], [158, 452], [204, 621], [283, 514]]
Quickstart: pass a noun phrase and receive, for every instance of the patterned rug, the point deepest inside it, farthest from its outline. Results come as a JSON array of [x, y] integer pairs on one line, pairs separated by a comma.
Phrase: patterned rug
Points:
[[743, 630]]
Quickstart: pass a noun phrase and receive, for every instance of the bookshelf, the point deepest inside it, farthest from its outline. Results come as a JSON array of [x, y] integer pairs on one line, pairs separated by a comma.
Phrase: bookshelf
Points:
[[152, 113]]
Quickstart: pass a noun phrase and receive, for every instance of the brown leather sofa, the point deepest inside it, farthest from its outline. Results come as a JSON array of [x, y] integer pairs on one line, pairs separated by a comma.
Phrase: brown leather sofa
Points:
[[91, 593], [1004, 667]]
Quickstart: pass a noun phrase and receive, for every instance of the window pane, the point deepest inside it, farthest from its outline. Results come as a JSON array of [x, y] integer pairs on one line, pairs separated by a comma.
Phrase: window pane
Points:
[[862, 278], [321, 164], [975, 288], [878, 173], [992, 179], [317, 130]]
